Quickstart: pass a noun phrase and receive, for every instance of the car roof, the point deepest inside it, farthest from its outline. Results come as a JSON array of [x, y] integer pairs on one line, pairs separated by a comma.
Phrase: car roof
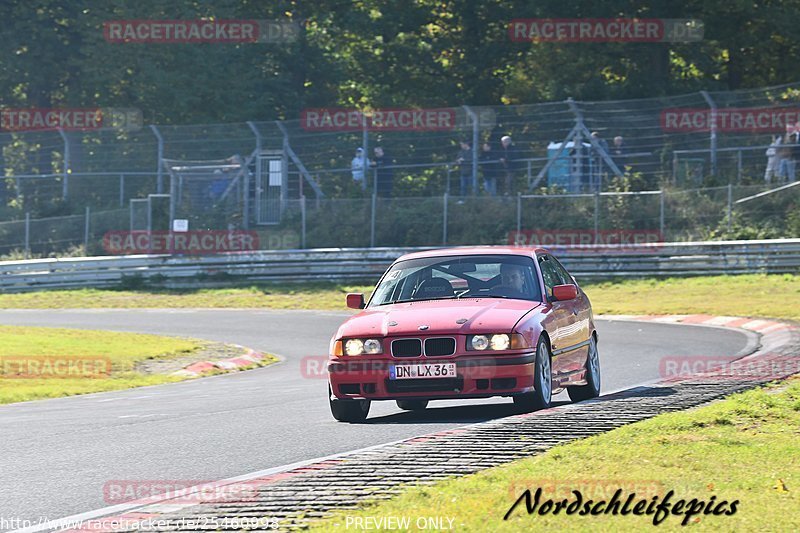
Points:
[[475, 250]]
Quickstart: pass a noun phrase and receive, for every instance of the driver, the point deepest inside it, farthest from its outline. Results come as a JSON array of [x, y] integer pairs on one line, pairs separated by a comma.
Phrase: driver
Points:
[[512, 279]]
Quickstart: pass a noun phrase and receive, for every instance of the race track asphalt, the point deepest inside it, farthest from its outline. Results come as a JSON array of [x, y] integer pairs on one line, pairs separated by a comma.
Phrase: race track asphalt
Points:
[[56, 456]]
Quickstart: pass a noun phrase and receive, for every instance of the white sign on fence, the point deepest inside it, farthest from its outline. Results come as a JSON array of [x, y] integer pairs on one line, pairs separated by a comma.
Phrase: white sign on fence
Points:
[[180, 224]]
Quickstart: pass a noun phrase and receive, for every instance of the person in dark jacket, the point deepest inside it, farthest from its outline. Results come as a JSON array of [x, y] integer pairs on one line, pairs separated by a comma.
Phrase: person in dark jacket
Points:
[[509, 161], [464, 162], [490, 168], [384, 173]]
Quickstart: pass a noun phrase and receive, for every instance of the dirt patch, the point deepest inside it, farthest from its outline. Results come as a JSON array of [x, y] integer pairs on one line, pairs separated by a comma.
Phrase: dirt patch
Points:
[[209, 351]]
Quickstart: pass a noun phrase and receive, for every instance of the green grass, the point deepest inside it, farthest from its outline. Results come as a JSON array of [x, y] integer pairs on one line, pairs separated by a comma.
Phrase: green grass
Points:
[[744, 448], [776, 296], [23, 345], [757, 295], [298, 296]]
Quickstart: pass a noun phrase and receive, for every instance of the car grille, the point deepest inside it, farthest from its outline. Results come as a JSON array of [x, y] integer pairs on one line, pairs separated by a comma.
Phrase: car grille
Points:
[[425, 385], [407, 348], [440, 346]]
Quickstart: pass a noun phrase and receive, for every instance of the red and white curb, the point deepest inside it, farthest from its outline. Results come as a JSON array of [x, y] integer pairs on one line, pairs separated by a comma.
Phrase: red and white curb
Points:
[[250, 358], [773, 336]]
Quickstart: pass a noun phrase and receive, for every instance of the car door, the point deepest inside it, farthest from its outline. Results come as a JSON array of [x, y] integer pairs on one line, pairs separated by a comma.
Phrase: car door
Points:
[[559, 319], [579, 312]]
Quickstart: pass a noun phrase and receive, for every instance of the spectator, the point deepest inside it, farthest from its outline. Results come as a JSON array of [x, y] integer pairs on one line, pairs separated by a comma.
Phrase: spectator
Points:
[[618, 151], [489, 168], [509, 157], [795, 151], [600, 141], [358, 167], [774, 156], [464, 162], [786, 153], [384, 174]]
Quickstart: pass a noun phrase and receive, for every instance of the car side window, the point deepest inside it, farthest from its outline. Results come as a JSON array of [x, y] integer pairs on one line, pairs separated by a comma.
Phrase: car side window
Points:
[[550, 275], [565, 276]]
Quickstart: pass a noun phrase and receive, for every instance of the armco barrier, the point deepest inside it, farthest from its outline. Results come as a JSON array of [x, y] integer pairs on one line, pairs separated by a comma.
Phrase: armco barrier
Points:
[[349, 264]]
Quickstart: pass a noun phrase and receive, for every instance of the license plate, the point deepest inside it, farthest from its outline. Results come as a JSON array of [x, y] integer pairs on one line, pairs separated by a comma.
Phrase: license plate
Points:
[[423, 371]]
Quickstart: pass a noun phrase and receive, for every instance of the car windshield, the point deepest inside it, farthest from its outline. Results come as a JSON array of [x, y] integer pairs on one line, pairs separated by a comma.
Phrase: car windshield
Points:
[[464, 276]]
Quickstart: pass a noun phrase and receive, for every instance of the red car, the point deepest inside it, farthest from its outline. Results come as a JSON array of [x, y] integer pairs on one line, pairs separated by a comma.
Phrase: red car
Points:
[[466, 323]]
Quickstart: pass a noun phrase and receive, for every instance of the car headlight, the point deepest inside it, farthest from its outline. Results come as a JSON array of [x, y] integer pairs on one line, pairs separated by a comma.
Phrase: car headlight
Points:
[[501, 341], [497, 341], [362, 346], [479, 342]]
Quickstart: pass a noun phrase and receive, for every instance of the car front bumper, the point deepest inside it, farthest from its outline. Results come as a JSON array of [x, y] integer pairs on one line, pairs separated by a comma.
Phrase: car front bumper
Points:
[[477, 376]]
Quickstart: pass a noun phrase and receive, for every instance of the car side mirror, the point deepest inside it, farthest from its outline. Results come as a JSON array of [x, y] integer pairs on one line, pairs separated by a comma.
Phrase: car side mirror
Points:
[[355, 300], [565, 292]]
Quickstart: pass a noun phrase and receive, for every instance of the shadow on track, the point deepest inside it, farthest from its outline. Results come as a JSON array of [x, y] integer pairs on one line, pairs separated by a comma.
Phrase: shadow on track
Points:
[[467, 414]]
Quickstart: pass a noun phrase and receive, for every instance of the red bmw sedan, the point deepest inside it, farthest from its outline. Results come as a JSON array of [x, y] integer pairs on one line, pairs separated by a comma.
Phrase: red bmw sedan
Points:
[[466, 323]]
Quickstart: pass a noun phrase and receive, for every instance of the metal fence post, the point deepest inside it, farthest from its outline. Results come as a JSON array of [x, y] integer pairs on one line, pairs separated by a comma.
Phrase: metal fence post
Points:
[[302, 221], [86, 231], [246, 198], [596, 215], [27, 235], [475, 140], [444, 219], [519, 213], [730, 204], [713, 138], [372, 221], [738, 166], [661, 215], [159, 170], [67, 170], [122, 190]]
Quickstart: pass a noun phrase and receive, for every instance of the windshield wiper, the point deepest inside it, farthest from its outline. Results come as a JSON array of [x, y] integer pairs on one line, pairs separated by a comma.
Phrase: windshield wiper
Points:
[[409, 300]]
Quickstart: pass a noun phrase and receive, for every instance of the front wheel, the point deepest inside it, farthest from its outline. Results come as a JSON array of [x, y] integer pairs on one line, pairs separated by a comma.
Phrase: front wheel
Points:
[[542, 394], [348, 410], [592, 387], [412, 405]]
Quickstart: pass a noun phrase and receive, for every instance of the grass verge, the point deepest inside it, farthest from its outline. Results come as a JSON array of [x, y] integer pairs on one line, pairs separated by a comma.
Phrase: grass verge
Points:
[[743, 448], [37, 363], [776, 296]]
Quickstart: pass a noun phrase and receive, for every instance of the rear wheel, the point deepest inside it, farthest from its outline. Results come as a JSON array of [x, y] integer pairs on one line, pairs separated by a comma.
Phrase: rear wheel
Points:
[[542, 394], [348, 410], [412, 405], [592, 387]]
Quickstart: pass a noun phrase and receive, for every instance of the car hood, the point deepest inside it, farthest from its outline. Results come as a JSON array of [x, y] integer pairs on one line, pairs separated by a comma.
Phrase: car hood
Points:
[[467, 316]]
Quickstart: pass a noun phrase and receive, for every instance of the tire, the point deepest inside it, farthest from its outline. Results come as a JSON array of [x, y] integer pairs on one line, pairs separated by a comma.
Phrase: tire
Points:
[[352, 411], [592, 387], [542, 394], [412, 405]]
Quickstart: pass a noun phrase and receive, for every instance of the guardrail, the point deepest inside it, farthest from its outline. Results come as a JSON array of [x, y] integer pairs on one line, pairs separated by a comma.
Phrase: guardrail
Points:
[[349, 264]]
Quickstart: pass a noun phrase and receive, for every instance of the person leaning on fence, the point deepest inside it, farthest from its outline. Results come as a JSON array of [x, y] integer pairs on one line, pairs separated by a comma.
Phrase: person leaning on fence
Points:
[[509, 157], [489, 168], [358, 167], [786, 165], [774, 157], [384, 174], [618, 151], [464, 162]]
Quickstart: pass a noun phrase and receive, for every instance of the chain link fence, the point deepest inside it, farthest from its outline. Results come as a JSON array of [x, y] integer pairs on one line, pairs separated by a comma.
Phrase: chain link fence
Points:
[[295, 182], [667, 215]]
